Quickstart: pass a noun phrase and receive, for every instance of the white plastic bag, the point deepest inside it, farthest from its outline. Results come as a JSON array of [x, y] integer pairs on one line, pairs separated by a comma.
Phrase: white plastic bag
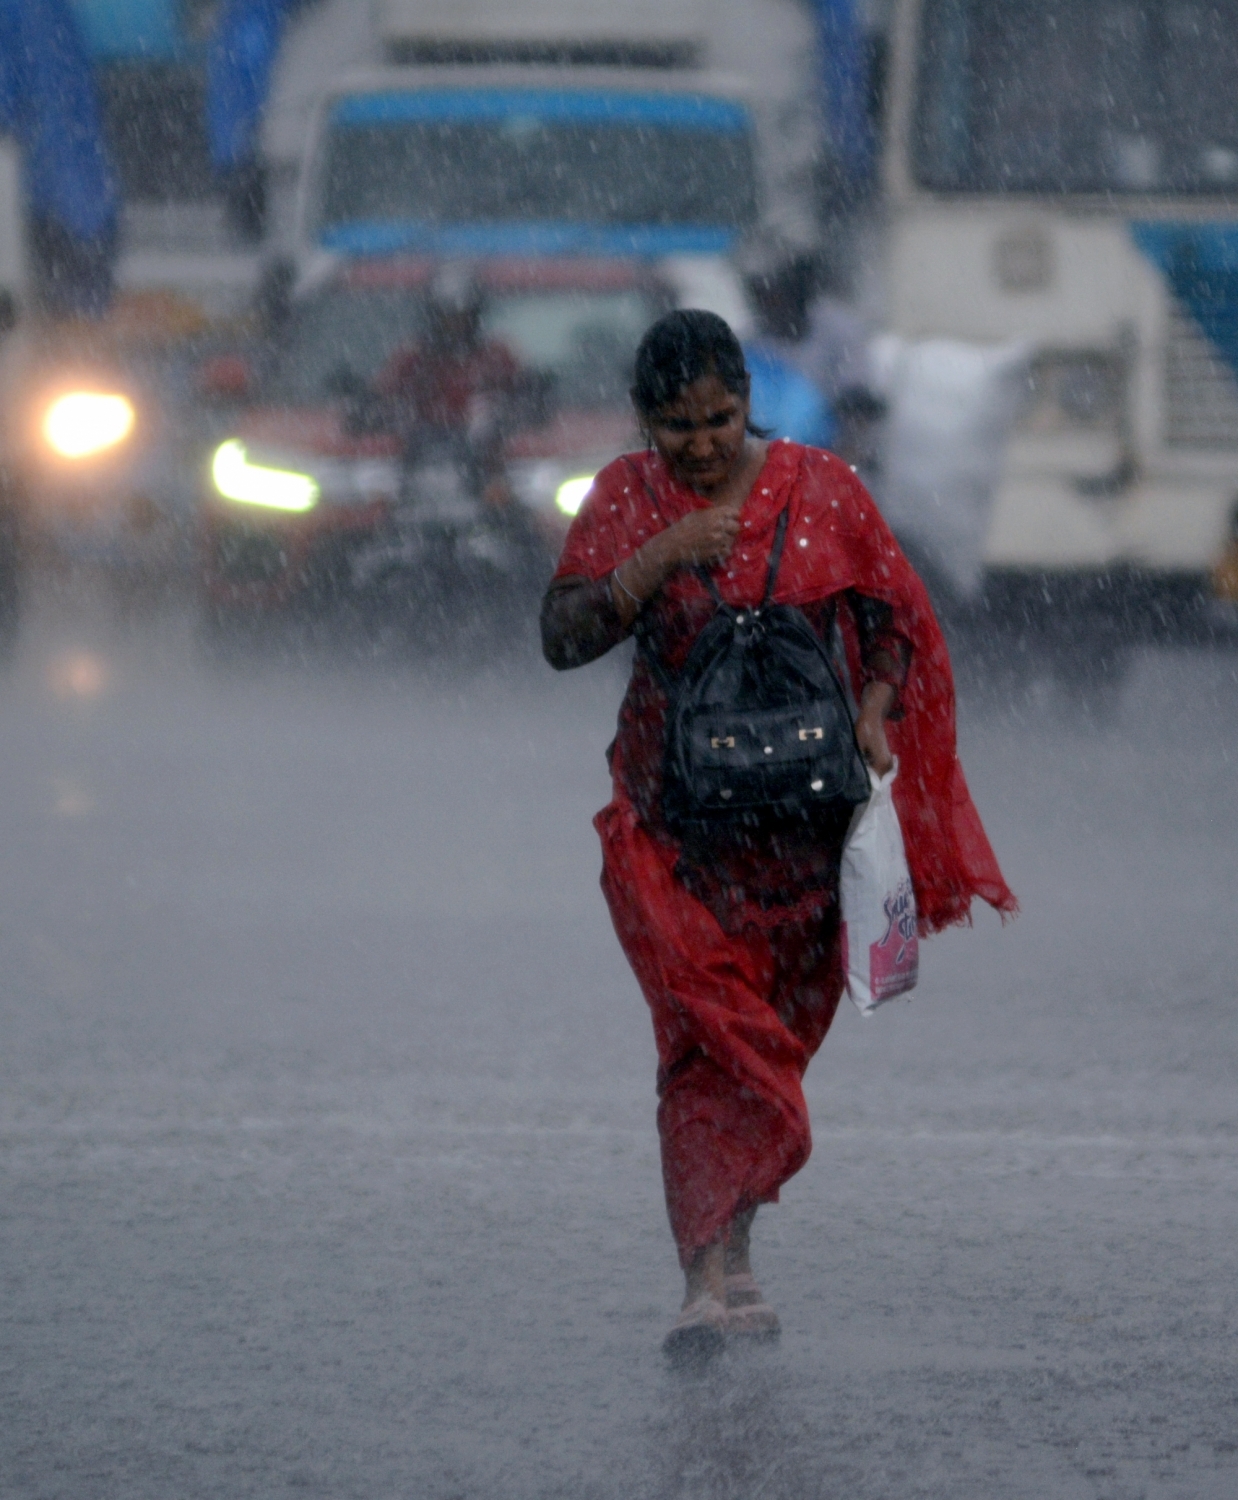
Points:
[[952, 407], [881, 953]]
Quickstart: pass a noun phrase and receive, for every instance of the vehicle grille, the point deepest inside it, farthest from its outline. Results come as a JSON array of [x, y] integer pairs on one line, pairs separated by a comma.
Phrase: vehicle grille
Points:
[[1201, 391]]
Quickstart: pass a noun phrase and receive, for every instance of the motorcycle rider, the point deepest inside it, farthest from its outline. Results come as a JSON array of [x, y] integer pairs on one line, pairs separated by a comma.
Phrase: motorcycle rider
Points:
[[453, 397], [453, 389]]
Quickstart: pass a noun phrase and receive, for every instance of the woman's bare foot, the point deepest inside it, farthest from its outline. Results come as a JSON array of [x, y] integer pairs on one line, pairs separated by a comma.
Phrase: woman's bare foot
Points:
[[749, 1315], [700, 1330]]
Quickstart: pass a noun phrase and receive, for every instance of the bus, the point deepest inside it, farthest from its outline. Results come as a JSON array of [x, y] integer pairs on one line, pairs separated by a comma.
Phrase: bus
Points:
[[1065, 172]]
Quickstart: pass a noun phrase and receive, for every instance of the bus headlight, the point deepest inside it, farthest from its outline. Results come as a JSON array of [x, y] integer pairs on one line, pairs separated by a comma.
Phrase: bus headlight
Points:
[[254, 484], [570, 495], [83, 423], [1076, 389]]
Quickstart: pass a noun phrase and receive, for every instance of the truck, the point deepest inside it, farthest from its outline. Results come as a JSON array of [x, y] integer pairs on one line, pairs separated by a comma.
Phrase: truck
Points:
[[97, 445], [590, 169], [477, 68], [1064, 174]]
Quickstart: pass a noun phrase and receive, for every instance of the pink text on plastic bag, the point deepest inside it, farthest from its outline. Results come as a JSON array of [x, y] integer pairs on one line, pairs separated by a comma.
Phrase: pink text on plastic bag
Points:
[[894, 960]]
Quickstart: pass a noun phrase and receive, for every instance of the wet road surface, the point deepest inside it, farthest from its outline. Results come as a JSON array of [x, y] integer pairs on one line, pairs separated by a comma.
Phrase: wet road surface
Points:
[[327, 1150]]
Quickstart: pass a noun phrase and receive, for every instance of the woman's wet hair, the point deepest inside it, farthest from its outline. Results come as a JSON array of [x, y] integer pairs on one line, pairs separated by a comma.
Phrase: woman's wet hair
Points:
[[680, 348]]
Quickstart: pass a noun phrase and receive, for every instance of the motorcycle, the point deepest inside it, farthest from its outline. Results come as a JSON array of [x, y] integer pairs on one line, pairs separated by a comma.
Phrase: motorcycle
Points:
[[459, 560]]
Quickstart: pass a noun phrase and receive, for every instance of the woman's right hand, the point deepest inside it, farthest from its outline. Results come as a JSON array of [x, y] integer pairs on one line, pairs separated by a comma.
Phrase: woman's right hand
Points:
[[702, 537]]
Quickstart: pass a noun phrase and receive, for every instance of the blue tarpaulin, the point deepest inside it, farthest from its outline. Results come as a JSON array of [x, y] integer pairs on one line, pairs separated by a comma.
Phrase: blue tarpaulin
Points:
[[844, 74], [131, 29], [48, 101], [238, 75]]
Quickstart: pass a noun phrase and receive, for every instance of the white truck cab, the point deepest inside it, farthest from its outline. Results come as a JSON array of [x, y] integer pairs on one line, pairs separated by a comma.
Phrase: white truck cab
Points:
[[1064, 176]]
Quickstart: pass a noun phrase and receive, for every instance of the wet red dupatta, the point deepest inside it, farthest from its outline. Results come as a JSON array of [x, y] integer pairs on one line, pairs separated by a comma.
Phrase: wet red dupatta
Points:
[[836, 540]]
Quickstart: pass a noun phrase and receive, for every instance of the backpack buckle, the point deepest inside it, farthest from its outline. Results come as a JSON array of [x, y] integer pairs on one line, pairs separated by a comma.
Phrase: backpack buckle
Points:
[[812, 734]]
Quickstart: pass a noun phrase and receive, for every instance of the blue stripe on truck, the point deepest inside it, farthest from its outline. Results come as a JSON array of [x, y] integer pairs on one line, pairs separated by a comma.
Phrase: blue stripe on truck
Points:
[[385, 237], [686, 111], [1199, 261]]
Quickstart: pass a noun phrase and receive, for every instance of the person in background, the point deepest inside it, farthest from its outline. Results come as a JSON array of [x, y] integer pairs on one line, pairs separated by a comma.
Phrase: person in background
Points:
[[786, 401], [737, 949], [823, 343], [452, 387]]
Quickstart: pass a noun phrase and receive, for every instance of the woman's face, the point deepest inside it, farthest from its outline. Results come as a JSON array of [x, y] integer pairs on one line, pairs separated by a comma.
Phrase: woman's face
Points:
[[700, 435]]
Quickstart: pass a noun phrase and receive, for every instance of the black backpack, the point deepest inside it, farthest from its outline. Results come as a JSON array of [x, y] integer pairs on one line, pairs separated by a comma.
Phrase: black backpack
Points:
[[759, 731]]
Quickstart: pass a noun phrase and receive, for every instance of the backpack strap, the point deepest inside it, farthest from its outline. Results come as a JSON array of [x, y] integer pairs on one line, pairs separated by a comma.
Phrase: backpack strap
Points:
[[775, 560], [640, 627], [707, 578], [703, 573], [775, 555]]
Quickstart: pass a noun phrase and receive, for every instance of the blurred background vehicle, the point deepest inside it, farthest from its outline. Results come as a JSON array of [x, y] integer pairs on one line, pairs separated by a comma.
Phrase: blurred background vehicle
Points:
[[94, 461], [101, 441], [1012, 310], [1061, 174], [592, 178], [764, 51], [563, 129], [396, 452]]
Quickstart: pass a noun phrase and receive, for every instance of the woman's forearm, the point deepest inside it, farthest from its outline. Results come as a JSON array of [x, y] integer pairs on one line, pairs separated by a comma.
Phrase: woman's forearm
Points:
[[583, 618], [878, 699], [639, 577], [579, 622], [875, 705], [885, 654]]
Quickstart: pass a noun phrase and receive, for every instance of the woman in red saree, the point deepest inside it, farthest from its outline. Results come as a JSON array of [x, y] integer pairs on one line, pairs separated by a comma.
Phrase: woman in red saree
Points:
[[738, 955]]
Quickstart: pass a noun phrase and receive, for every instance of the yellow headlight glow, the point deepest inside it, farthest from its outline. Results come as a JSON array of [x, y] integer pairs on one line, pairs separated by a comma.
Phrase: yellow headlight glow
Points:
[[253, 484], [83, 423], [570, 495]]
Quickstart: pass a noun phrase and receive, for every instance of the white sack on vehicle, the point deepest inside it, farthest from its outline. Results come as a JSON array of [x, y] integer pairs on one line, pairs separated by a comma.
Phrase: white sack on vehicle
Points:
[[951, 409], [880, 949]]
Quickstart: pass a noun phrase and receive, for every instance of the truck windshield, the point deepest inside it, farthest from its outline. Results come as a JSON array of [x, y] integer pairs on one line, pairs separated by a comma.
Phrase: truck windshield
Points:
[[484, 158], [1078, 96], [584, 340], [340, 338]]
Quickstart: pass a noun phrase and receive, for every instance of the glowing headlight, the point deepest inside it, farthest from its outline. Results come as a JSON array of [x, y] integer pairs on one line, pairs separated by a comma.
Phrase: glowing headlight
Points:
[[86, 422], [570, 495], [252, 484]]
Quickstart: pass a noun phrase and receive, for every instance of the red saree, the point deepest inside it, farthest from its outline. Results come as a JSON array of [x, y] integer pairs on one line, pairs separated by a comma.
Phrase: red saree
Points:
[[740, 1005]]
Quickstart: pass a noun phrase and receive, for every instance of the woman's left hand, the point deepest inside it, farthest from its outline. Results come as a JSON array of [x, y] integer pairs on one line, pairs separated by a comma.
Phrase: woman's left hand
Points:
[[870, 726]]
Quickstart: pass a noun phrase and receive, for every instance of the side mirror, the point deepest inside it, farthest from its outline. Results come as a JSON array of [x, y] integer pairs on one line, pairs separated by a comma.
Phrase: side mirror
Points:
[[226, 377]]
